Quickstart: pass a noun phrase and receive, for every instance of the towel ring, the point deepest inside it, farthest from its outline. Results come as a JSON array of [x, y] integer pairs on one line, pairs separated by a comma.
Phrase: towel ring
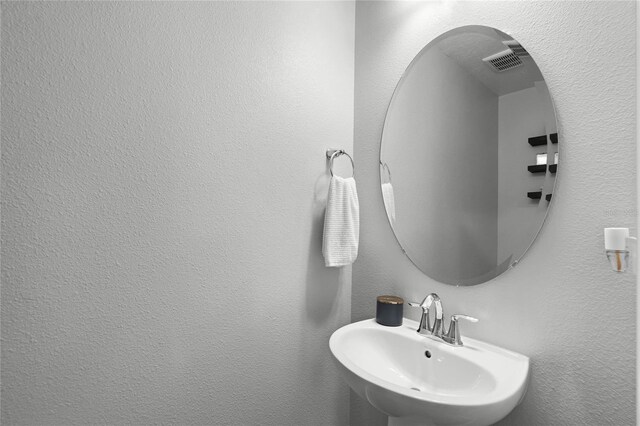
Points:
[[334, 153]]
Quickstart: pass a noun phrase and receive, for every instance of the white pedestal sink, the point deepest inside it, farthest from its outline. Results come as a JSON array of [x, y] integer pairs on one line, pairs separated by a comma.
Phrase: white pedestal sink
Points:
[[417, 380]]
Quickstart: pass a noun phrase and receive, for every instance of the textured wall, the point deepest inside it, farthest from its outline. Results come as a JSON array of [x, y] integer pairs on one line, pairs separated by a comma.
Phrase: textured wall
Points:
[[562, 305], [163, 177]]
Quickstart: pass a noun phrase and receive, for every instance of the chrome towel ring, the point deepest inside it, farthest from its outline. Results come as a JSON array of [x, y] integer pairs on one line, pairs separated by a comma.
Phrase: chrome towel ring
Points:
[[334, 153]]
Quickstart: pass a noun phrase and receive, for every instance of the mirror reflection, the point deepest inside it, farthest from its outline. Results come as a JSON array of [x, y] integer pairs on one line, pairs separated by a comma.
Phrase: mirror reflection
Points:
[[468, 156]]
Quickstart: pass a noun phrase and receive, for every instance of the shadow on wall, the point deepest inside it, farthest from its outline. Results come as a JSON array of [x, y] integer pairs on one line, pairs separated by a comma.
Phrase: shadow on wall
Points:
[[327, 307], [323, 284]]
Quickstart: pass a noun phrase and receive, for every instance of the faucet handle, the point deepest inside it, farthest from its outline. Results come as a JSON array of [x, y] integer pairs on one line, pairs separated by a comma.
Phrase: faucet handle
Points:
[[437, 329], [456, 317], [453, 336], [425, 323]]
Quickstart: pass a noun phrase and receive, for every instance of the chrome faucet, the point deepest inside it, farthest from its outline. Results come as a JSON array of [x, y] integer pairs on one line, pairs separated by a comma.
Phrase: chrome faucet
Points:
[[425, 326], [452, 336]]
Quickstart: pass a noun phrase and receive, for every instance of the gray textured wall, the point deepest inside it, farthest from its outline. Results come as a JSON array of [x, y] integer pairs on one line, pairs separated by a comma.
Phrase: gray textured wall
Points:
[[163, 184], [562, 306]]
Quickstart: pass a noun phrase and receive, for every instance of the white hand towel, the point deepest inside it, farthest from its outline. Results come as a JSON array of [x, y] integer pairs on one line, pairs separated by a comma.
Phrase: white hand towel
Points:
[[389, 202], [341, 223]]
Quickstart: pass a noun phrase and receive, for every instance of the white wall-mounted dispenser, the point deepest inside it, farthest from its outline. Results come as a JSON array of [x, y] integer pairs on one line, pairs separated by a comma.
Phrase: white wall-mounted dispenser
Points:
[[620, 249]]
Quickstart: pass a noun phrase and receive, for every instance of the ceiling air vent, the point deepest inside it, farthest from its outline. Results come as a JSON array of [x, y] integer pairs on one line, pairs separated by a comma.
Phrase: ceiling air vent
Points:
[[503, 61], [516, 48]]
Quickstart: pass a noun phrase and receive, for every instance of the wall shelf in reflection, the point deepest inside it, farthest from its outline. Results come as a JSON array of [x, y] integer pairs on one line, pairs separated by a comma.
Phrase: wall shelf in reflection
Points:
[[536, 195], [542, 140], [541, 168]]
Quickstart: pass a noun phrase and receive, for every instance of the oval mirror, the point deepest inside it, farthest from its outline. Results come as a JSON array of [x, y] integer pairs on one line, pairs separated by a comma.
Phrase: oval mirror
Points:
[[469, 155]]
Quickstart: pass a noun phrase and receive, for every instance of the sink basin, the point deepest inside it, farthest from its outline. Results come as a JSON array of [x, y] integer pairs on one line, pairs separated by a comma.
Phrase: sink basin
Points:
[[417, 380]]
